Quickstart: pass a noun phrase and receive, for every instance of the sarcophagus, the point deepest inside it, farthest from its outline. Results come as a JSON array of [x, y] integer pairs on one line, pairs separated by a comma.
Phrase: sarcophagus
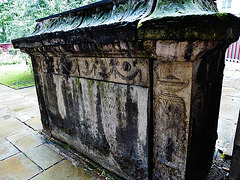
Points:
[[134, 85]]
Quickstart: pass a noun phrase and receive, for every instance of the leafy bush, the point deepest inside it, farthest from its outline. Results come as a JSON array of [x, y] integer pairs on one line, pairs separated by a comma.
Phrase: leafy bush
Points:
[[13, 51]]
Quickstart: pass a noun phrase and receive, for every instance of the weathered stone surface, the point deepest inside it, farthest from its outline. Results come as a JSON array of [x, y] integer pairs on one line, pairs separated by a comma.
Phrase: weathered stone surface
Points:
[[121, 70], [134, 88], [105, 121], [216, 26], [185, 117], [172, 90], [205, 100]]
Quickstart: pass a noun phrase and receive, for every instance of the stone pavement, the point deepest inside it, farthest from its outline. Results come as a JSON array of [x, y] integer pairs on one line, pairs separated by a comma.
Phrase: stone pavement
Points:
[[229, 109], [24, 153]]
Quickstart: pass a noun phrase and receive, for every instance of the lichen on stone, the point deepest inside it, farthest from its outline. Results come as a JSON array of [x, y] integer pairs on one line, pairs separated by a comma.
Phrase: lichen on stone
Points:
[[183, 7]]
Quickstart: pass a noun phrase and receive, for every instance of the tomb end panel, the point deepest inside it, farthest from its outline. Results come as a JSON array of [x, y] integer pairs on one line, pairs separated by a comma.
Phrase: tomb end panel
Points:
[[107, 122]]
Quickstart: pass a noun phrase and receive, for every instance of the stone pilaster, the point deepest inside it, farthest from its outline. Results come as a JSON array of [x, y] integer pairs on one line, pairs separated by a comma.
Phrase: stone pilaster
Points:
[[186, 105], [187, 80]]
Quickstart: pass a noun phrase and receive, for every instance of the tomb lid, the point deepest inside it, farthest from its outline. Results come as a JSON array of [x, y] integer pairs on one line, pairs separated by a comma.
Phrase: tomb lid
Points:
[[120, 12]]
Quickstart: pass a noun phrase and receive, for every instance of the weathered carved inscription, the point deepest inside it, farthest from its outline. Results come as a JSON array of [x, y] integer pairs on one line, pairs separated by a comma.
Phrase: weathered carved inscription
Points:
[[170, 119], [122, 70], [106, 121]]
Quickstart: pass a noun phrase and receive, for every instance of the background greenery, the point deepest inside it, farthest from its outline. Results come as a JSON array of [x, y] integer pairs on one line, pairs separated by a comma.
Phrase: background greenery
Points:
[[17, 79], [16, 69], [17, 17]]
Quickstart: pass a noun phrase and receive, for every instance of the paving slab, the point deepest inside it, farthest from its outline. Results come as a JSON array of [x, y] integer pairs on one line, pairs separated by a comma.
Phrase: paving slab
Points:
[[231, 68], [232, 82], [6, 114], [10, 127], [226, 135], [9, 101], [26, 140], [23, 116], [231, 92], [23, 106], [18, 167], [2, 140], [229, 108], [33, 111], [35, 123], [4, 97], [7, 150], [29, 93], [44, 156], [63, 171]]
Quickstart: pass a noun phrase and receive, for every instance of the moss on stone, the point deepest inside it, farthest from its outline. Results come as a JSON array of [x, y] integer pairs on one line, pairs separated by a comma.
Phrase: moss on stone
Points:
[[78, 83], [222, 16], [191, 27], [90, 89], [103, 86]]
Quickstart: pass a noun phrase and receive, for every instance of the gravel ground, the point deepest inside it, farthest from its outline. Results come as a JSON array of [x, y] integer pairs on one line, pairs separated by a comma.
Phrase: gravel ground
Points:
[[220, 168]]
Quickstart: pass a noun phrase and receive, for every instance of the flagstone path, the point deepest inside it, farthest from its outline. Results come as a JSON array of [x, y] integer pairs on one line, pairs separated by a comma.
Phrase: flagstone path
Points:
[[24, 153]]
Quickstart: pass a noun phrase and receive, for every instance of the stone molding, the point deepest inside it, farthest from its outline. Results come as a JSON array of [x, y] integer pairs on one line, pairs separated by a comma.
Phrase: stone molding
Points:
[[120, 70]]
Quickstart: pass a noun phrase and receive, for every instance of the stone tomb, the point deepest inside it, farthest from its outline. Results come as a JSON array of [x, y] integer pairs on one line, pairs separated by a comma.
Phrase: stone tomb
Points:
[[134, 85]]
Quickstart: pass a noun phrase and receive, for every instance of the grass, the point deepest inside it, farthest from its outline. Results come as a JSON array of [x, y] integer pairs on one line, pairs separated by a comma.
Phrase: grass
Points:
[[17, 79], [15, 70]]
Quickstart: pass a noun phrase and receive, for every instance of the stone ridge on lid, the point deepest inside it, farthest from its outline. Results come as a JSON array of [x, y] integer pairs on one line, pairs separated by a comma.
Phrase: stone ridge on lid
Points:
[[110, 12]]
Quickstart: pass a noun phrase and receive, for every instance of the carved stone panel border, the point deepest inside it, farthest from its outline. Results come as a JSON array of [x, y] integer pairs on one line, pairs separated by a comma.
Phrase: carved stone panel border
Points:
[[171, 107], [121, 70]]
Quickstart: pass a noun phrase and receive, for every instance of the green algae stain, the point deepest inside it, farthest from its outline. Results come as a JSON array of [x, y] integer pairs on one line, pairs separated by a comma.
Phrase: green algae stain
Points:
[[78, 83], [103, 87], [90, 90]]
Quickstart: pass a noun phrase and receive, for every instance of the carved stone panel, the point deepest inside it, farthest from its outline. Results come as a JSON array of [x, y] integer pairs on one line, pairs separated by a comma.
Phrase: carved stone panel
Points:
[[107, 122], [121, 70], [172, 94], [124, 70]]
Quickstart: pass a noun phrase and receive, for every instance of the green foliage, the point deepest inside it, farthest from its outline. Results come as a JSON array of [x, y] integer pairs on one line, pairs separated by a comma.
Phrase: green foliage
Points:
[[223, 155], [17, 17], [13, 51]]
